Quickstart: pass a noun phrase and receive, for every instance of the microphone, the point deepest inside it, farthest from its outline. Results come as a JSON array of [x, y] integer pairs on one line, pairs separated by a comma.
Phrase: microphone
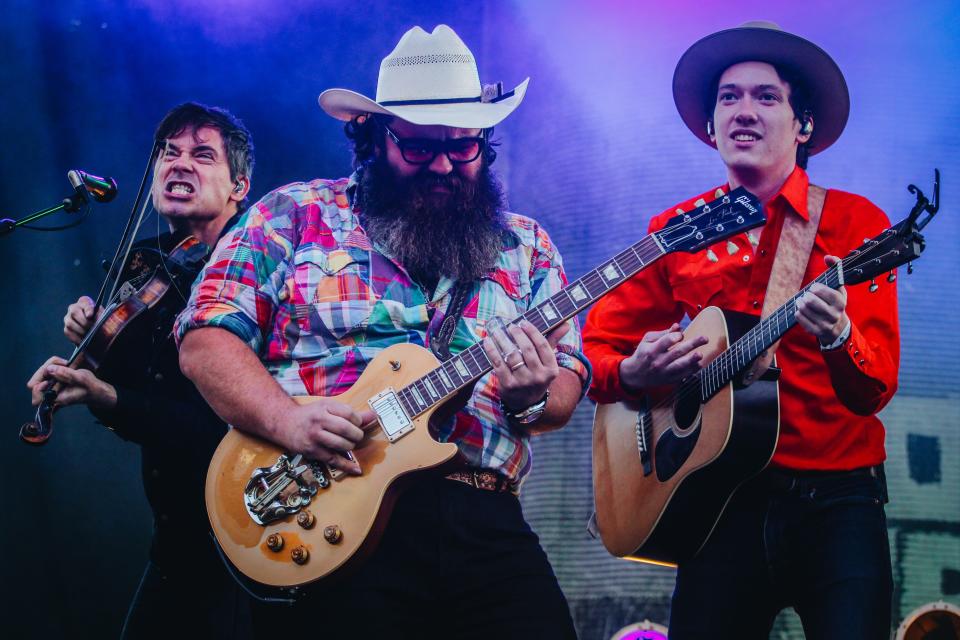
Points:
[[102, 189]]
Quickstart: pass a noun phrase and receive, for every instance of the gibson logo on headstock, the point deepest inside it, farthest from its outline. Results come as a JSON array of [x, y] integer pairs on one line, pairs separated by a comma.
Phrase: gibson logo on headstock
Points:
[[745, 202]]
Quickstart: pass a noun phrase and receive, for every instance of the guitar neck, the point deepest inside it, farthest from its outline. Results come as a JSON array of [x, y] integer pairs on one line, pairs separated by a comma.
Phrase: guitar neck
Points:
[[470, 364], [732, 362]]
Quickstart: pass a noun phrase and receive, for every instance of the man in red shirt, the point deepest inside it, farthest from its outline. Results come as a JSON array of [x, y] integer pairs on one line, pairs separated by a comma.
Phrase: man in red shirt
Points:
[[808, 532]]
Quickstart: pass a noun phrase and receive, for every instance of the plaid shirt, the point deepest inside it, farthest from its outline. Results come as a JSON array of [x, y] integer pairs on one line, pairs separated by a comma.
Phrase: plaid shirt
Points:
[[299, 281]]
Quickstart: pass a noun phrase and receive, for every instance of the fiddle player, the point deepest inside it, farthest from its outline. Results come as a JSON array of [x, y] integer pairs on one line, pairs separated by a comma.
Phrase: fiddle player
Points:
[[202, 170]]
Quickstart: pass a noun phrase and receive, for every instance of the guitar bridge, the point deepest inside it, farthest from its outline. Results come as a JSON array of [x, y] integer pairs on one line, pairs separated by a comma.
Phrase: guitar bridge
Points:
[[283, 489], [644, 429]]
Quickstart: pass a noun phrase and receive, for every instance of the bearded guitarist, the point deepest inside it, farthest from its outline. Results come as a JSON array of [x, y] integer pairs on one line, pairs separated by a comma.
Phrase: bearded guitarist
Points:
[[809, 531], [415, 247]]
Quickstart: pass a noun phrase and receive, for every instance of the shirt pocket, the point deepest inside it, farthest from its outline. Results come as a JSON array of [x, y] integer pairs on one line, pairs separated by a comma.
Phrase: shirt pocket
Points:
[[333, 287], [698, 293], [503, 294]]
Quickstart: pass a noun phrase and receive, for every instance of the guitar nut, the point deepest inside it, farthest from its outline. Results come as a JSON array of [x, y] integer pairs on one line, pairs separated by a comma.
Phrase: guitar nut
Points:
[[332, 534], [306, 519], [275, 542], [300, 555]]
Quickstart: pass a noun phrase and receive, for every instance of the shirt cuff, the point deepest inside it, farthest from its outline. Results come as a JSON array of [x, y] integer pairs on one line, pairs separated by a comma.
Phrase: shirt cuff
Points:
[[132, 405], [844, 335], [570, 358], [233, 321]]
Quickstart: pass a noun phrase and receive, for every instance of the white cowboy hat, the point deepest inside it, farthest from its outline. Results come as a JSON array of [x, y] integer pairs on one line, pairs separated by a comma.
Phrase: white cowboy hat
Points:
[[429, 78], [703, 63]]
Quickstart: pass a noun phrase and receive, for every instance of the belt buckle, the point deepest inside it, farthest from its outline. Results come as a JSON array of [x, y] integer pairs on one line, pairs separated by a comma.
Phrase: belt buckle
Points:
[[474, 475]]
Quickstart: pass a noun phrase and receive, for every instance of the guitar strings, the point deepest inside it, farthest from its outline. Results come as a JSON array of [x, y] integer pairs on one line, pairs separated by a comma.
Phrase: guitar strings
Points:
[[684, 390], [646, 250]]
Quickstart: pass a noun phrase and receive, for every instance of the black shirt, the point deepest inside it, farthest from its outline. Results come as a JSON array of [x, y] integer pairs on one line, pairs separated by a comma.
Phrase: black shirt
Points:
[[162, 411]]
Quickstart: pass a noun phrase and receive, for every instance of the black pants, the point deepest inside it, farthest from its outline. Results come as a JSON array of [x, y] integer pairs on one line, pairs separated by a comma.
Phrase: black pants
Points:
[[816, 542], [192, 598], [455, 562]]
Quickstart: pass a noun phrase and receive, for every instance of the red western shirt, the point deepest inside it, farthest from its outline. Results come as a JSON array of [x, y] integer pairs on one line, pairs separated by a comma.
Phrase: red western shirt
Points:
[[828, 399]]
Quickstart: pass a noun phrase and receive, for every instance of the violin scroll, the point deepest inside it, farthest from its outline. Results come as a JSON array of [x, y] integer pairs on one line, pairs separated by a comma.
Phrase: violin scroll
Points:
[[40, 429]]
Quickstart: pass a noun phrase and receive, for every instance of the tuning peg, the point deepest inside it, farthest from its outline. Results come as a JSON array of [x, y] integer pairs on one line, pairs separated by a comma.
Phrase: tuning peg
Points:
[[873, 286], [892, 276], [909, 268]]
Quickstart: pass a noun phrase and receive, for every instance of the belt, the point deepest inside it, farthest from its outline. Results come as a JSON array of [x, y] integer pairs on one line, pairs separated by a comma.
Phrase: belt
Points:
[[482, 479], [790, 479], [876, 471]]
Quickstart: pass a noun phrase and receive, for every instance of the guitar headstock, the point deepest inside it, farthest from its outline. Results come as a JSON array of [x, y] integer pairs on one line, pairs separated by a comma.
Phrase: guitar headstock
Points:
[[900, 244], [734, 213], [883, 253]]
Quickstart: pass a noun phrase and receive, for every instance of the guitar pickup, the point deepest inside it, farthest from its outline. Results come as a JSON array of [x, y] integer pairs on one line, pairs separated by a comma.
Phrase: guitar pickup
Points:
[[393, 419]]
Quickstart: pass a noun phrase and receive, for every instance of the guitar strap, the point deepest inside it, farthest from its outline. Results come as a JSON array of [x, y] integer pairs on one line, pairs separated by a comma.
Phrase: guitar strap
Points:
[[440, 342], [786, 276]]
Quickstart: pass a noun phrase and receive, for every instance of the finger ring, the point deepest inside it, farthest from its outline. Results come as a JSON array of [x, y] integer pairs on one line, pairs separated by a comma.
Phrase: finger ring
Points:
[[514, 367]]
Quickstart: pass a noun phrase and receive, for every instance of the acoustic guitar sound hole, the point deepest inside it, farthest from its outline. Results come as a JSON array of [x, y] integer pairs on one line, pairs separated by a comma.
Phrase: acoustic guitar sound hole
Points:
[[687, 407]]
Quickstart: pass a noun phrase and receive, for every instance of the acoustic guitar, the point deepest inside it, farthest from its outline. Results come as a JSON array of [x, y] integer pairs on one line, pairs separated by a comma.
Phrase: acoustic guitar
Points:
[[286, 521], [665, 468]]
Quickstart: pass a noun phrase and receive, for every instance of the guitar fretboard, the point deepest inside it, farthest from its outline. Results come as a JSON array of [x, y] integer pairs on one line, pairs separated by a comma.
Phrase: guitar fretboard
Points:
[[472, 363], [732, 362]]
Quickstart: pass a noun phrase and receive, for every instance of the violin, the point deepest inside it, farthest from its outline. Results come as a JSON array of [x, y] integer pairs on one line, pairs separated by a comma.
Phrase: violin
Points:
[[153, 283]]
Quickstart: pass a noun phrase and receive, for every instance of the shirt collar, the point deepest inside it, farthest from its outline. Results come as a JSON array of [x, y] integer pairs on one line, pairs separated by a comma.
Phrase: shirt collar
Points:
[[794, 191]]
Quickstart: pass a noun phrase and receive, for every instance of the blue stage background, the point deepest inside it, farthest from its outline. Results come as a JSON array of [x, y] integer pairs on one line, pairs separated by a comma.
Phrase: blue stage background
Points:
[[595, 150]]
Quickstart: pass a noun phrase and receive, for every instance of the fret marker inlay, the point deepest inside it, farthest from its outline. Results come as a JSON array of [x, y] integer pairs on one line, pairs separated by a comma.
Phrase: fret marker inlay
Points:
[[549, 312], [611, 272], [417, 396]]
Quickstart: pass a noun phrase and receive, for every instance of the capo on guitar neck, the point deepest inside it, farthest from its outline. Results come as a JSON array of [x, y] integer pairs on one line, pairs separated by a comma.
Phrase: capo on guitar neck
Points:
[[923, 204]]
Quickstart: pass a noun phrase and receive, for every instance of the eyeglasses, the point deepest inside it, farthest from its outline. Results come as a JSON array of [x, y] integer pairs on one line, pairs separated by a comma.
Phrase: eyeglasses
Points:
[[424, 150]]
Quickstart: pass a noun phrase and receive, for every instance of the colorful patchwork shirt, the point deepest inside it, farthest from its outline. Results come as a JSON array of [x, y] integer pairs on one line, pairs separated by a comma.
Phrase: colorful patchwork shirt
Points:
[[299, 281]]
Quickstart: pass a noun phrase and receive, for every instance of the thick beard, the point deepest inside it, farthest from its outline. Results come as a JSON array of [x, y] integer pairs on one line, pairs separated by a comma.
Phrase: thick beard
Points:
[[459, 234]]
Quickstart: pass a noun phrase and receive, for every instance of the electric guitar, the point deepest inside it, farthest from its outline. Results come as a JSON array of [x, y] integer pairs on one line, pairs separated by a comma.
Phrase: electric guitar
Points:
[[286, 521], [664, 469]]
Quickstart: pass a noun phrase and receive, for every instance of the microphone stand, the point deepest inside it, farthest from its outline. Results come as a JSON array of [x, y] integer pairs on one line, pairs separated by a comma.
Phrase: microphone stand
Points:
[[71, 203]]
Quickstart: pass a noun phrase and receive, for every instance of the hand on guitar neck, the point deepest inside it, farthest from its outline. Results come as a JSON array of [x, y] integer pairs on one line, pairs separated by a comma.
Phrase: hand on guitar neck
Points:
[[821, 311], [662, 358]]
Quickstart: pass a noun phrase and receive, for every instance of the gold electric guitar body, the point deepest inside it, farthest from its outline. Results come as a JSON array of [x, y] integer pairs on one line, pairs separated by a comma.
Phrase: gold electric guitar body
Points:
[[348, 514]]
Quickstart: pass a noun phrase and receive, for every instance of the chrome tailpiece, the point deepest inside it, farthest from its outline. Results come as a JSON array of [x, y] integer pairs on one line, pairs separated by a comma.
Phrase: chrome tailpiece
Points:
[[283, 489]]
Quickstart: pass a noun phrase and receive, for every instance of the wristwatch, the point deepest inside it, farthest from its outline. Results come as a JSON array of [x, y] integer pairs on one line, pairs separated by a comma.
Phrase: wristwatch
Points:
[[526, 416]]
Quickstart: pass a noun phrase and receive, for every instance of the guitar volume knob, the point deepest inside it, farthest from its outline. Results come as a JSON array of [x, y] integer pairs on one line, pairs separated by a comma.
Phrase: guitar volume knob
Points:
[[306, 519], [300, 555], [275, 542], [332, 534]]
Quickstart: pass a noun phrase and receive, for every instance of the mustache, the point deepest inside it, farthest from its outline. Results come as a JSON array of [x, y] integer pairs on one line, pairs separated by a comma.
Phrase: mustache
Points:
[[420, 186]]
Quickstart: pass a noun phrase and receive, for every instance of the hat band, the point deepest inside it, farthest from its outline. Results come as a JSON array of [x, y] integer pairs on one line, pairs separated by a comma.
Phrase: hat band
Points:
[[404, 103]]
